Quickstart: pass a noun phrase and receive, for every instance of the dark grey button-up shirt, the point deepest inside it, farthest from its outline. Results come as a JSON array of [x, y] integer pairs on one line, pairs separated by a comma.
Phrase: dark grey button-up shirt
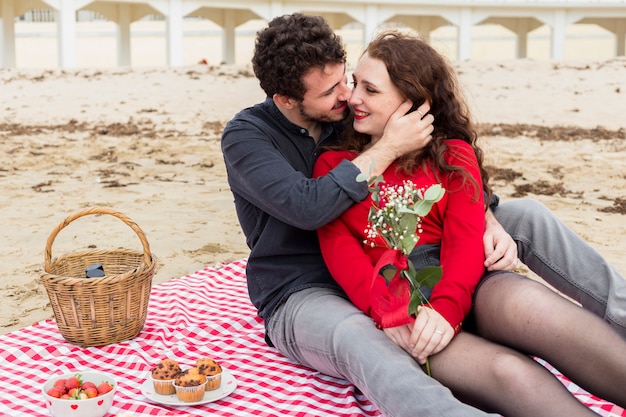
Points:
[[269, 161]]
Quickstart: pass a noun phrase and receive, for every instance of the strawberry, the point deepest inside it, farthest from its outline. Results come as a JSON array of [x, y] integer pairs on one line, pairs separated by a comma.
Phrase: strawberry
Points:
[[73, 382], [55, 392], [73, 393], [60, 384], [91, 392], [104, 387], [88, 384]]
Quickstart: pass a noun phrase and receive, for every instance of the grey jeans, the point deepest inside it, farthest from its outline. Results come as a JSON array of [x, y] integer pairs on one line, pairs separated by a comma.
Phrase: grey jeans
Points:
[[320, 329], [564, 260]]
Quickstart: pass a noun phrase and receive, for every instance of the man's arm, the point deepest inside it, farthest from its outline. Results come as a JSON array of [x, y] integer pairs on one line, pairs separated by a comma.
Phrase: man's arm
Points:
[[500, 248], [260, 173]]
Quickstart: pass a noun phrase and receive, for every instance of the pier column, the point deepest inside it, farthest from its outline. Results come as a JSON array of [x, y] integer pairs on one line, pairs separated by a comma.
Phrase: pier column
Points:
[[66, 30], [558, 35], [522, 38], [7, 34], [465, 34], [620, 37], [175, 33], [371, 23], [228, 37], [123, 35]]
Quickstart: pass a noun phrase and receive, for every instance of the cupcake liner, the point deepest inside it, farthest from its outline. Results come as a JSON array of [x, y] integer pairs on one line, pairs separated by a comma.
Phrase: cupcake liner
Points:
[[213, 382], [190, 394], [163, 386]]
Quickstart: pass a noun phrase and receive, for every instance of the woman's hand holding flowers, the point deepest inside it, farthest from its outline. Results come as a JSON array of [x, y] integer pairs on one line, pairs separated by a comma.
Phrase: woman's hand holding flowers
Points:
[[430, 334]]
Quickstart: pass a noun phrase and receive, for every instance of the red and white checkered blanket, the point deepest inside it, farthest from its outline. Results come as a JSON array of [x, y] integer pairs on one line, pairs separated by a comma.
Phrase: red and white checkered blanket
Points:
[[207, 313]]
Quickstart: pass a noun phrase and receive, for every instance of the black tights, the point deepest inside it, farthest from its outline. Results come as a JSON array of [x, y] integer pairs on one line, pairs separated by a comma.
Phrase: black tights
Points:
[[517, 318]]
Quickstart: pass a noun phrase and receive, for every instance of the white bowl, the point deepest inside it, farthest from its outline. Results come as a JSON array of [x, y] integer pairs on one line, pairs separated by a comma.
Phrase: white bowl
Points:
[[90, 407]]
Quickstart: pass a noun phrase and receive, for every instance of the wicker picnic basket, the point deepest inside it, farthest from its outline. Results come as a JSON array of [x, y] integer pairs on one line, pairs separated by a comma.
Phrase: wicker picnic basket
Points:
[[105, 310]]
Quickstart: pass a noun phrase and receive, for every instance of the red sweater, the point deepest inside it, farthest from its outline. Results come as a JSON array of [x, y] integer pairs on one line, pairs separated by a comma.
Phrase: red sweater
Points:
[[456, 222]]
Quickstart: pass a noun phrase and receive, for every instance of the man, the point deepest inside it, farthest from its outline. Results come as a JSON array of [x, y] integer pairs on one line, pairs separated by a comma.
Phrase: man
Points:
[[269, 151]]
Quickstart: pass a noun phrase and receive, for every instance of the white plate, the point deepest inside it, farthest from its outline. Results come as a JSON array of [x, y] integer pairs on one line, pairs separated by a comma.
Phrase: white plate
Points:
[[229, 383]]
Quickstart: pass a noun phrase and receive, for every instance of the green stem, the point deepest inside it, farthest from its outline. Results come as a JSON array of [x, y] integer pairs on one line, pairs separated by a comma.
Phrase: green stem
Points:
[[428, 367]]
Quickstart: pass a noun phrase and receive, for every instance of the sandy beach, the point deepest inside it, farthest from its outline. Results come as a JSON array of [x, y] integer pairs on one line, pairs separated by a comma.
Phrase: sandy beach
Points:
[[146, 142]]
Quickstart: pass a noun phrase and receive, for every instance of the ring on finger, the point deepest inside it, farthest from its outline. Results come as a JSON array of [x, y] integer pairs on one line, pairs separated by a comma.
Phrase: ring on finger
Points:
[[439, 332], [420, 113]]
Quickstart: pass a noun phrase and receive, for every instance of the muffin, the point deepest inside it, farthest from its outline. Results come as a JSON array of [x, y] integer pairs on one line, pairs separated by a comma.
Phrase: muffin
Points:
[[190, 385], [212, 371], [163, 376]]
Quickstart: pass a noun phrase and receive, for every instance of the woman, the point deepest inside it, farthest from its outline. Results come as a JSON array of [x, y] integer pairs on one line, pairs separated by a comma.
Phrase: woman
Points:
[[486, 364]]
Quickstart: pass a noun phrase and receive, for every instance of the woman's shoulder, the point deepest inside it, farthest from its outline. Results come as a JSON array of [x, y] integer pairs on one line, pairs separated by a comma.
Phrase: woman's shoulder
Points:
[[459, 144], [334, 157], [460, 152], [458, 147], [330, 159]]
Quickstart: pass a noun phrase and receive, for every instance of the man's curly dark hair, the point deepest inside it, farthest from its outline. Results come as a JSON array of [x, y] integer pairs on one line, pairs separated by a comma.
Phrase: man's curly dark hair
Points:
[[289, 47]]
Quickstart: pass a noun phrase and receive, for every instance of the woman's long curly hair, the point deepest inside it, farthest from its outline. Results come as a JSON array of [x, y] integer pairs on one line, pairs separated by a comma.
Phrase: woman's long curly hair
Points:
[[423, 75]]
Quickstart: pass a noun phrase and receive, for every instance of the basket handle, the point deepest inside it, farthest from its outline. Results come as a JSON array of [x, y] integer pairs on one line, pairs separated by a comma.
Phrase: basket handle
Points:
[[96, 210]]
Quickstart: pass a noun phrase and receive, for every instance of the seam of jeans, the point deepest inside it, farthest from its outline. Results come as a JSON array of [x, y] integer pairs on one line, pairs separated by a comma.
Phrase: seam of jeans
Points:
[[556, 270]]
